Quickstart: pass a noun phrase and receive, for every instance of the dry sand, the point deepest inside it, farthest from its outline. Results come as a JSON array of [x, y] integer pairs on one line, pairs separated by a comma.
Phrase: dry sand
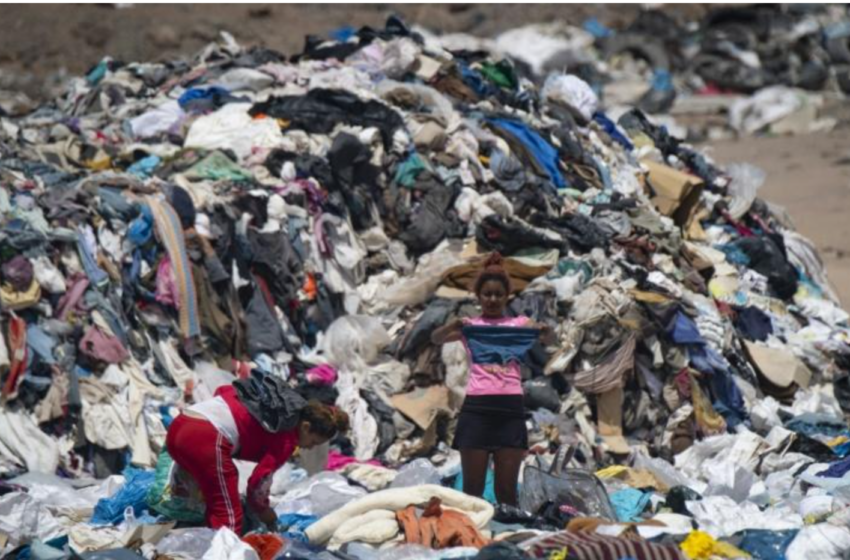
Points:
[[810, 176]]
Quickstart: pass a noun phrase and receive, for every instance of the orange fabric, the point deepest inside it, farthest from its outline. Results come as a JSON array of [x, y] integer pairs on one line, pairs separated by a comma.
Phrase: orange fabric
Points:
[[438, 528], [266, 546], [310, 287]]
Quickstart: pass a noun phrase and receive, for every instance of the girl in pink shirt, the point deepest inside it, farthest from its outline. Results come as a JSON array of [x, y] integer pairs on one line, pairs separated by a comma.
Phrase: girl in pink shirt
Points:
[[492, 418]]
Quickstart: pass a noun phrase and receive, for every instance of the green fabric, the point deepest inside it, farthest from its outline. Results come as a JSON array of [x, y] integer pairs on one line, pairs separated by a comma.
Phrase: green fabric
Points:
[[98, 72], [174, 493], [408, 171], [570, 267], [218, 167], [500, 73]]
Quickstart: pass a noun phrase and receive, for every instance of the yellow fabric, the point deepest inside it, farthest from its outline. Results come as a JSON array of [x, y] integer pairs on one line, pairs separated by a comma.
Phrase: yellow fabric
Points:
[[559, 555], [702, 546], [708, 420], [838, 441], [649, 297], [722, 287], [612, 471], [640, 140], [13, 300], [636, 478], [100, 162]]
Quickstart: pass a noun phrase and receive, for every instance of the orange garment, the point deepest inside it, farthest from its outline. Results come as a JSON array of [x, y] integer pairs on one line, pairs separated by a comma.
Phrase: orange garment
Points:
[[310, 287], [438, 528], [266, 546]]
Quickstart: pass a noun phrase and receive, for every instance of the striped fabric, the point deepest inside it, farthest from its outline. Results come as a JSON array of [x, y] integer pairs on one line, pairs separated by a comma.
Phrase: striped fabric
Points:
[[171, 234], [591, 546]]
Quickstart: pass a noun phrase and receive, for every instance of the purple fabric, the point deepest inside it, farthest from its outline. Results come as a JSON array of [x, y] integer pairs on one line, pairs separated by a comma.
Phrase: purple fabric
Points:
[[78, 284], [18, 273], [167, 292], [100, 346]]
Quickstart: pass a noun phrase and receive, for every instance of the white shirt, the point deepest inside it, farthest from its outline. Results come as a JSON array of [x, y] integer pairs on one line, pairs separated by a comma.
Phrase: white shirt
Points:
[[218, 413]]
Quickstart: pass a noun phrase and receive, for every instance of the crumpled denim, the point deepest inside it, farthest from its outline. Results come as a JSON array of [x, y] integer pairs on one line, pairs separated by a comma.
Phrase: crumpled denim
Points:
[[84, 243], [682, 330], [41, 344]]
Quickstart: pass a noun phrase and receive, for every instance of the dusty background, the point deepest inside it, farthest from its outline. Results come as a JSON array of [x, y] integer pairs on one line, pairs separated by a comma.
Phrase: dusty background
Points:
[[809, 175]]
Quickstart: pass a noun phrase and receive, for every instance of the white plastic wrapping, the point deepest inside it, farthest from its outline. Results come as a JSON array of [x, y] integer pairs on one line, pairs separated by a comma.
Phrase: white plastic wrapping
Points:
[[572, 91], [354, 340], [820, 542], [24, 518], [226, 545], [417, 288], [419, 471], [746, 180], [186, 543], [721, 516]]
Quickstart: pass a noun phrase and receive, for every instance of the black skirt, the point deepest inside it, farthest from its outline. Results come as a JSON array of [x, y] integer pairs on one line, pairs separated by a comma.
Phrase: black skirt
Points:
[[491, 422]]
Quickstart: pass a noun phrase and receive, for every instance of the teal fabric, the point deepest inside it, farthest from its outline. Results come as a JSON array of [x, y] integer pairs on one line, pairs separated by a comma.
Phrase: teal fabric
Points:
[[629, 504]]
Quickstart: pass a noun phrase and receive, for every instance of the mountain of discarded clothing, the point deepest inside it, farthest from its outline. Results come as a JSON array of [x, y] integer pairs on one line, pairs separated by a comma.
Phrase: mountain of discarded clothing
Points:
[[168, 228]]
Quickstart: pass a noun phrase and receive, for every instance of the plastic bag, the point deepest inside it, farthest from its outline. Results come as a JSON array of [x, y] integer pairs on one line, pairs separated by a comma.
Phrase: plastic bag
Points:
[[721, 516], [573, 92], [132, 494], [186, 543], [539, 394], [24, 518], [318, 495], [746, 180], [420, 471], [352, 338], [766, 545], [175, 493], [333, 494], [416, 289], [763, 108], [577, 488], [364, 426], [226, 545], [662, 470], [822, 541], [728, 479]]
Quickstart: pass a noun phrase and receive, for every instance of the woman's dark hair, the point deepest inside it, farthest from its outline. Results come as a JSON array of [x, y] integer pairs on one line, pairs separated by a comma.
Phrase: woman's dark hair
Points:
[[493, 270], [326, 421]]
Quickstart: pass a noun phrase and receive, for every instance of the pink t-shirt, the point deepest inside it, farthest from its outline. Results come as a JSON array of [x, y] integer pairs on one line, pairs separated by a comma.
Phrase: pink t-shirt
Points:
[[494, 379]]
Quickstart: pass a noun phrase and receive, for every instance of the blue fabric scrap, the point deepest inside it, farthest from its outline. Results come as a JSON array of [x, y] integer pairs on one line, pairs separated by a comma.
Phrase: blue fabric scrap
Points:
[[489, 486], [629, 504], [499, 345], [144, 168], [766, 544], [729, 401], [542, 151], [295, 524], [141, 229]]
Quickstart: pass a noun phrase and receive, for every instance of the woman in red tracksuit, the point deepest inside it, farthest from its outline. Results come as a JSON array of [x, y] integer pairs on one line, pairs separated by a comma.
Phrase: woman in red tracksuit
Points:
[[206, 438]]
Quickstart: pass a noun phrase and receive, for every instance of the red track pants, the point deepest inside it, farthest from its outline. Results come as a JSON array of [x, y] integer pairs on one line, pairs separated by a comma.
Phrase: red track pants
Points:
[[197, 446]]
